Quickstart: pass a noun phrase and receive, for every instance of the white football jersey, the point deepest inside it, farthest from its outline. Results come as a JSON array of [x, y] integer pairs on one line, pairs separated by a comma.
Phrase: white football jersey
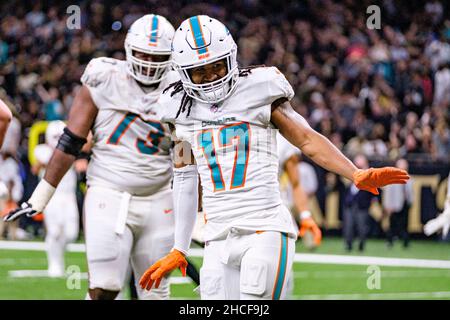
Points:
[[307, 174], [285, 151], [235, 147], [131, 149]]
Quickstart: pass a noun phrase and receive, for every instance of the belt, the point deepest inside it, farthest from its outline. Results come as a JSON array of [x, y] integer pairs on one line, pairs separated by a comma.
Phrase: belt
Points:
[[123, 213]]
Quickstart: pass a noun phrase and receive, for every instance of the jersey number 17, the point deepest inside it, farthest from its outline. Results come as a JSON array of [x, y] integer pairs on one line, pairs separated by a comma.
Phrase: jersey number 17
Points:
[[226, 134]]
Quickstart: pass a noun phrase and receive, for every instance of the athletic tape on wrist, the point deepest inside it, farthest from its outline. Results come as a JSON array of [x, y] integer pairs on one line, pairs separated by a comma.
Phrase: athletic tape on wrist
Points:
[[41, 195]]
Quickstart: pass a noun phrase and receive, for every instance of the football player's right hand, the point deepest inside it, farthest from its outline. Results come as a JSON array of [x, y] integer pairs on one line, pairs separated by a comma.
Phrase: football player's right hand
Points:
[[374, 178], [308, 224], [154, 274], [442, 222], [25, 208]]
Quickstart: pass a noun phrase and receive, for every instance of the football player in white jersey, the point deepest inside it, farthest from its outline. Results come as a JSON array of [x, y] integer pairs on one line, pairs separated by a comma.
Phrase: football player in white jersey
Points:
[[61, 213], [441, 222], [296, 200], [128, 204], [5, 119], [228, 117], [293, 196]]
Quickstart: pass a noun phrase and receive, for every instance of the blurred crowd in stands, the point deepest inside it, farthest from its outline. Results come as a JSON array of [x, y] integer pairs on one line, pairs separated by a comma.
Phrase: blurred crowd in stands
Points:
[[381, 93], [385, 93]]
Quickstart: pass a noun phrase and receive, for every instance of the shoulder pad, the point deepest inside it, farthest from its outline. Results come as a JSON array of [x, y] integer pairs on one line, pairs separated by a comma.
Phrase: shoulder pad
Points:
[[98, 70]]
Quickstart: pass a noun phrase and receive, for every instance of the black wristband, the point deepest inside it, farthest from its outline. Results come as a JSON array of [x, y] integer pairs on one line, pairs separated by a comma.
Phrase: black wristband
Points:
[[70, 143], [84, 155]]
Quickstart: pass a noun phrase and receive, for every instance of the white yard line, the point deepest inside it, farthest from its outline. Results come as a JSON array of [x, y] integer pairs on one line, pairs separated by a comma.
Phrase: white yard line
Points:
[[19, 261], [37, 274], [338, 274], [38, 246], [367, 260], [374, 296], [180, 280], [82, 275], [7, 262], [299, 257]]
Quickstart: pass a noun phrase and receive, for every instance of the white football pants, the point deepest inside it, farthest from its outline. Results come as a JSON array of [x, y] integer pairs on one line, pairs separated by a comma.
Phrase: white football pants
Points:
[[61, 221], [247, 265], [119, 227]]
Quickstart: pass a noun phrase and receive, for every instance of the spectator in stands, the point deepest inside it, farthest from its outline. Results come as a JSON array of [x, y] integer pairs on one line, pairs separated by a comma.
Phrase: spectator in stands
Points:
[[442, 85], [397, 200], [356, 211], [441, 139], [53, 108]]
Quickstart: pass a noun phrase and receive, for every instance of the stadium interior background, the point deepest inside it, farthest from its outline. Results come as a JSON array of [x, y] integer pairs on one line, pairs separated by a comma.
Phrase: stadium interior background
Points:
[[383, 93], [369, 91]]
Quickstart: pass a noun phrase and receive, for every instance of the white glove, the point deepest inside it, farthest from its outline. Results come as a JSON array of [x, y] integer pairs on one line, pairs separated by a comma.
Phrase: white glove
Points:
[[440, 222]]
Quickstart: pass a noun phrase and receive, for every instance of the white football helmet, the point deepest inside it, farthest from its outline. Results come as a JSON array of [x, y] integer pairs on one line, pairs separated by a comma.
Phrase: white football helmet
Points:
[[202, 40], [53, 132], [150, 34]]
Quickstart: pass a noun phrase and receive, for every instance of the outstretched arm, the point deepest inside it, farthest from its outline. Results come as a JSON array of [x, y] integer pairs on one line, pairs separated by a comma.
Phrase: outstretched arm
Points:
[[314, 145], [5, 119], [317, 147]]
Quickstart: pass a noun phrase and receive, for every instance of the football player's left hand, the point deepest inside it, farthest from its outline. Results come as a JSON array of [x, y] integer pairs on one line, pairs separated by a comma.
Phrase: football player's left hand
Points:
[[309, 224], [374, 178], [154, 274]]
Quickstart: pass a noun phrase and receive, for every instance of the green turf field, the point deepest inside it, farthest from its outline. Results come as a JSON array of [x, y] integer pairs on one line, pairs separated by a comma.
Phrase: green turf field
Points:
[[312, 280]]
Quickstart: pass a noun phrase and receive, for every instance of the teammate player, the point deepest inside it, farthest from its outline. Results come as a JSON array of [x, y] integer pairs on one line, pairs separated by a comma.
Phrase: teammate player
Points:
[[288, 162], [61, 213], [128, 204], [229, 117], [441, 222], [5, 119], [296, 201]]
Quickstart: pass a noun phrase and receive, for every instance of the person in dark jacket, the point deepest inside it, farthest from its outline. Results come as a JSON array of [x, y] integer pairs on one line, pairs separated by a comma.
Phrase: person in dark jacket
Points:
[[356, 210]]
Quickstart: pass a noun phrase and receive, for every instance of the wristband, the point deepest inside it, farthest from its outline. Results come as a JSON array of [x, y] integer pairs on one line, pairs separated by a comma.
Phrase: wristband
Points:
[[305, 215]]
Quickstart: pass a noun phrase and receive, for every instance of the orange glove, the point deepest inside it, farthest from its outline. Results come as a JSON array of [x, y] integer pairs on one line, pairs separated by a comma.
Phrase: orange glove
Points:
[[175, 259], [373, 178], [309, 224]]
